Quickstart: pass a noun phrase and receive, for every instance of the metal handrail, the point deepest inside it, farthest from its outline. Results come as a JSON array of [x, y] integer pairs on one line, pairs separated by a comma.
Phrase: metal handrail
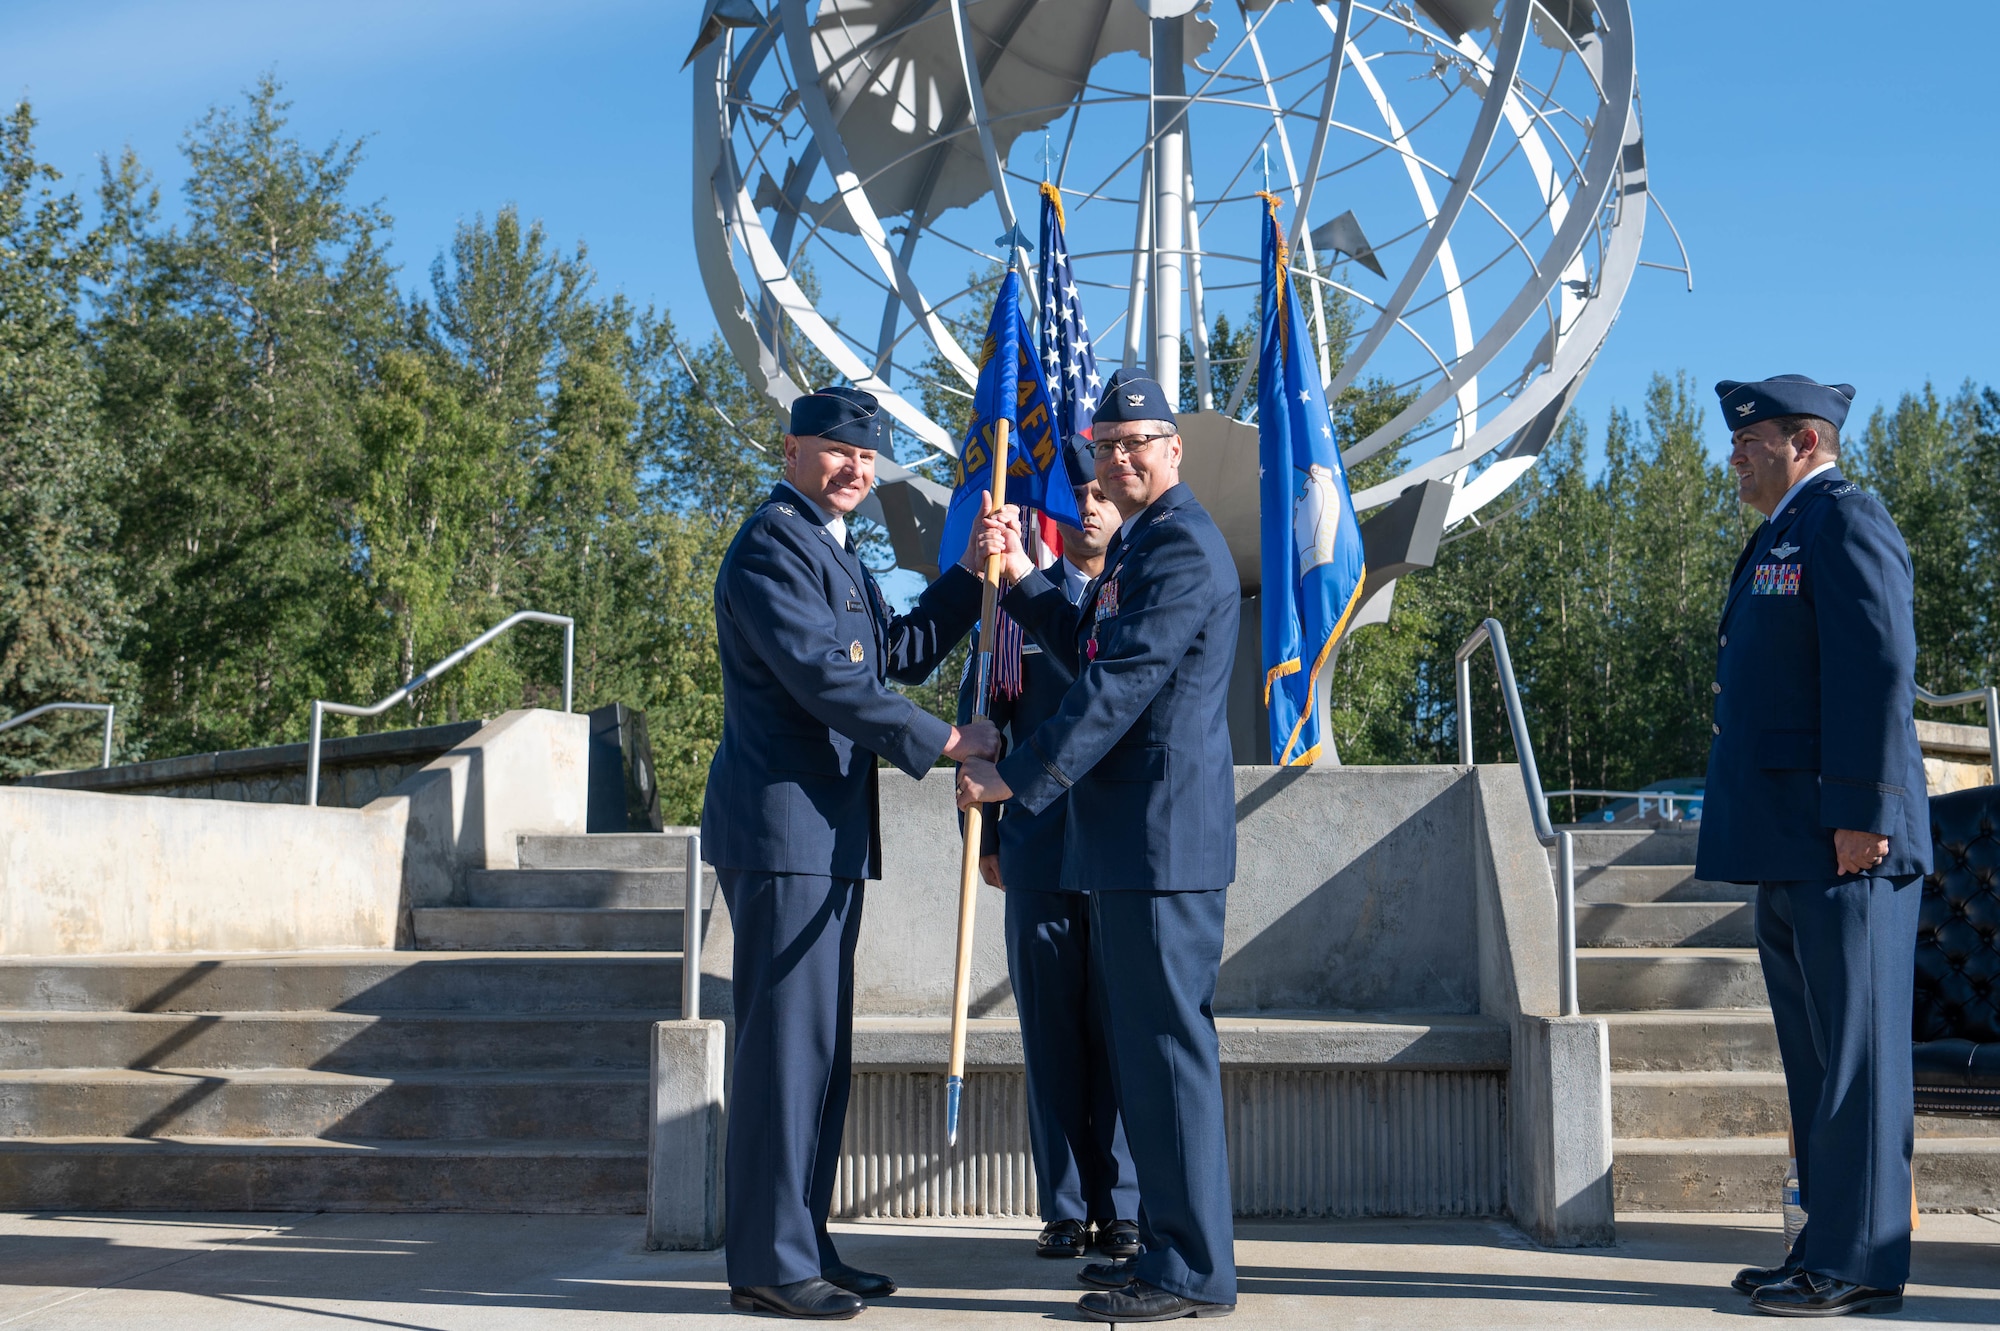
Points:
[[1990, 695], [109, 709], [691, 925], [1666, 798], [1490, 631], [321, 707]]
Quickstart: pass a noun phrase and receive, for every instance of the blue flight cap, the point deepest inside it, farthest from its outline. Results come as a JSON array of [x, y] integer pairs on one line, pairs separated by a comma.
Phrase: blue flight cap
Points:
[[1081, 461], [845, 415], [1132, 396], [1745, 402]]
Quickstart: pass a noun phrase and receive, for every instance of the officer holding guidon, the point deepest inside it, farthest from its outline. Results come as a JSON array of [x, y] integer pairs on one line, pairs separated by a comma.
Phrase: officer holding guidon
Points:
[[790, 822], [1140, 747], [1083, 1170], [1816, 794]]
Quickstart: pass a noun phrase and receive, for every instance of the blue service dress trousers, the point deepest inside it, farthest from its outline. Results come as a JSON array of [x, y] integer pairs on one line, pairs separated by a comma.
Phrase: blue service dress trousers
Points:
[[1838, 964], [795, 936], [1083, 1169], [1159, 953]]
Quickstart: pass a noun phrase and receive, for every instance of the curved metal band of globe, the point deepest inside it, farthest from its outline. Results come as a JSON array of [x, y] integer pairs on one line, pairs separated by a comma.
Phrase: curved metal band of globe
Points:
[[826, 138]]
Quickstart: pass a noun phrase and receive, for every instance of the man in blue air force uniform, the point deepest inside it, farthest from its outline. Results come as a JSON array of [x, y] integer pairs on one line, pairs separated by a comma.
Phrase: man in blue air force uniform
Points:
[[790, 823], [1140, 746], [1816, 794], [1082, 1167]]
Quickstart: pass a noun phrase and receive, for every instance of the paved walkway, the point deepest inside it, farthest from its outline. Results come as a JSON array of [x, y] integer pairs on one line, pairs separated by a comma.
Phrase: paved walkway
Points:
[[493, 1273]]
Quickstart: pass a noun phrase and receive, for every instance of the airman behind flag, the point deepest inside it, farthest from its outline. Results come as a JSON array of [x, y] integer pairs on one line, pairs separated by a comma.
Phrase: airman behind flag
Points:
[[1311, 544]]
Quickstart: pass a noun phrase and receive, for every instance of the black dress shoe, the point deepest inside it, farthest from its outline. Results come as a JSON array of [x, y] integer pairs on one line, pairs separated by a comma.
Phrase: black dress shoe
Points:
[[861, 1284], [1141, 1302], [1063, 1238], [1107, 1275], [811, 1297], [1118, 1239], [1809, 1295], [1753, 1278]]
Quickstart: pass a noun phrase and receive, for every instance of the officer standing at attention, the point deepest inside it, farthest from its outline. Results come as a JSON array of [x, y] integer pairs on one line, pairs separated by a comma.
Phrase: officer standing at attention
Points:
[[790, 823], [1083, 1170], [1816, 794], [1141, 747]]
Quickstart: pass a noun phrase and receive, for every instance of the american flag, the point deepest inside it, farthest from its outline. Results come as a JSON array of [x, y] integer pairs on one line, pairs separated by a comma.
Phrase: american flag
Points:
[[1072, 368], [1073, 380]]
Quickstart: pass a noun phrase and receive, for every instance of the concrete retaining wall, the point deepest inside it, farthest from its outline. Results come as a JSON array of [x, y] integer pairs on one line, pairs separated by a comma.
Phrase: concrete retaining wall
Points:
[[1388, 932], [86, 873], [353, 771]]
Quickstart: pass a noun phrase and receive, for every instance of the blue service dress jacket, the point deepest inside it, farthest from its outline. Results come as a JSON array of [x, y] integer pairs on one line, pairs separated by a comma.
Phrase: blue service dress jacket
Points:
[[1141, 740], [1029, 844], [807, 647], [1814, 690]]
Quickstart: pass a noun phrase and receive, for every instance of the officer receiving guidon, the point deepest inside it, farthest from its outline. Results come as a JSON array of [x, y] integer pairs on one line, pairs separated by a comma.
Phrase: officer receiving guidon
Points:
[[1140, 751], [1089, 1194], [1816, 794]]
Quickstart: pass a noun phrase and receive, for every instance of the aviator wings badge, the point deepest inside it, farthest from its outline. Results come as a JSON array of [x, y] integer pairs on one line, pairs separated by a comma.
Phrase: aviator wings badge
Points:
[[1785, 551]]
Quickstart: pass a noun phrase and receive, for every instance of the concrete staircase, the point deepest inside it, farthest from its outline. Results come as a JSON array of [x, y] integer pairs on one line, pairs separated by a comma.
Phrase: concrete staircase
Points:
[[1697, 1089], [502, 1067]]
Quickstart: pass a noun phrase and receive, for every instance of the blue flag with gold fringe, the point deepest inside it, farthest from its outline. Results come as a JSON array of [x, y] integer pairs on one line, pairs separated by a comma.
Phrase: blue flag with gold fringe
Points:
[[1011, 388], [1311, 543]]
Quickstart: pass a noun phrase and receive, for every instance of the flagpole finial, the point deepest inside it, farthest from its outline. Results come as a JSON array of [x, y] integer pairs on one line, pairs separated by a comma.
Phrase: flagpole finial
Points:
[[1266, 145]]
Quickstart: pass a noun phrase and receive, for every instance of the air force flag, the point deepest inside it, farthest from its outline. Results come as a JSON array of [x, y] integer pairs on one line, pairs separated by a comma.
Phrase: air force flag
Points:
[[1311, 544], [1011, 388]]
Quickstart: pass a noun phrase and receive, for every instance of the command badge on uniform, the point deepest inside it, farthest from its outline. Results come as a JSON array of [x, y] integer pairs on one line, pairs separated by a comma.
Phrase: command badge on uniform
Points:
[[854, 652], [1776, 580]]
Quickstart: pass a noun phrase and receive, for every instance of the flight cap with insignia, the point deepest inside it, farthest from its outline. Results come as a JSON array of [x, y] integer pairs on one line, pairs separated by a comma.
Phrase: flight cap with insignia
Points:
[[1131, 396], [1080, 462], [1745, 402], [842, 414]]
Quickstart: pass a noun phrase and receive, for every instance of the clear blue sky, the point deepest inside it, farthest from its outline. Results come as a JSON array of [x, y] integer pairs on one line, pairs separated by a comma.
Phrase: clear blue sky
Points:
[[1831, 164]]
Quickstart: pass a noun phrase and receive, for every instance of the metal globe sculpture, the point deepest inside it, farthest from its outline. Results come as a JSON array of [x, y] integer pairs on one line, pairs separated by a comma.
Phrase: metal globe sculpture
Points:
[[1463, 183]]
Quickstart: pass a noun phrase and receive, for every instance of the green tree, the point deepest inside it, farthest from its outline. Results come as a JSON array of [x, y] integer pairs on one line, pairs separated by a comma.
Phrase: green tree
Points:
[[1923, 461], [61, 613], [234, 354]]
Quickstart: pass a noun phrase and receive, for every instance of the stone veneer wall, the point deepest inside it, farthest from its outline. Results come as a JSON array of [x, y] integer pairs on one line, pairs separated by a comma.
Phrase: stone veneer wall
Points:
[[353, 771], [1955, 757]]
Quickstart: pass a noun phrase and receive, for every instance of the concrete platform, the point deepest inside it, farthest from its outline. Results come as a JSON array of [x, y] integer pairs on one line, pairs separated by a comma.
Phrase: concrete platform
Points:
[[66, 1272]]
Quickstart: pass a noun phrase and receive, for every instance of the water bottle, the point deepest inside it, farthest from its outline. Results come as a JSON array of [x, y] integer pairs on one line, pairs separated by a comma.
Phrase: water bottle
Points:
[[1795, 1215]]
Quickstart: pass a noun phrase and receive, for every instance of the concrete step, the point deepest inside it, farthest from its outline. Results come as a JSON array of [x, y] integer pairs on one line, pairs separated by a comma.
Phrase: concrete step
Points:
[[1699, 1104], [1744, 1173], [1641, 979], [1664, 924], [1701, 1040], [1635, 846], [1654, 882], [343, 981], [220, 1102], [605, 850], [330, 1041], [548, 928], [516, 888], [314, 1174]]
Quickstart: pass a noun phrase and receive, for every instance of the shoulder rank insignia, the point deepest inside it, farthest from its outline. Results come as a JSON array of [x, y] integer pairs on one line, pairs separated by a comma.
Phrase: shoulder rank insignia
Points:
[[786, 509], [854, 652], [1847, 489], [1776, 580]]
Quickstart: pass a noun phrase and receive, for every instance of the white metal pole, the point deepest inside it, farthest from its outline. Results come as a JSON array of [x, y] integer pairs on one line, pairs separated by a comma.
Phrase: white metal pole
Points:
[[691, 932], [1169, 201]]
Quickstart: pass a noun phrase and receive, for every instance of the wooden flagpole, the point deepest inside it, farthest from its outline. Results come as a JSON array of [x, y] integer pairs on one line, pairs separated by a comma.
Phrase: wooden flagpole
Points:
[[968, 866]]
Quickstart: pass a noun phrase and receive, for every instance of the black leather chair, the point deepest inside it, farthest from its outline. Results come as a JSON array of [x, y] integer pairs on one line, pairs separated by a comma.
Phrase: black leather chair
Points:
[[1957, 1018]]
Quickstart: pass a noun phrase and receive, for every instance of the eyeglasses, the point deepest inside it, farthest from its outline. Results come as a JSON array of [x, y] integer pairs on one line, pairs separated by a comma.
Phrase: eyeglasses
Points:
[[1111, 448]]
